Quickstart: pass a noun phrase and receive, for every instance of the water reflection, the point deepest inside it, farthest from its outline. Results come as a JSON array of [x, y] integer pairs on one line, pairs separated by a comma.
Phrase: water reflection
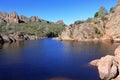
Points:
[[90, 48]]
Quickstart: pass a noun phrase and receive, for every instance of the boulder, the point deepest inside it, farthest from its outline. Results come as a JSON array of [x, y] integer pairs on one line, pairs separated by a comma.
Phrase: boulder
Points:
[[109, 66], [94, 62], [117, 51], [105, 64], [6, 38]]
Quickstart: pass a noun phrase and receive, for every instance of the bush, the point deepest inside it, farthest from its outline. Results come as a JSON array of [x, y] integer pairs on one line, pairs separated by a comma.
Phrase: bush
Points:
[[112, 10], [34, 28], [101, 13]]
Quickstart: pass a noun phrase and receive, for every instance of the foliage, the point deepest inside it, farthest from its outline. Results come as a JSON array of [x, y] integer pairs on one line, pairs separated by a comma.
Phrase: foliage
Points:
[[112, 10], [101, 13], [78, 22], [33, 28], [98, 33], [89, 19]]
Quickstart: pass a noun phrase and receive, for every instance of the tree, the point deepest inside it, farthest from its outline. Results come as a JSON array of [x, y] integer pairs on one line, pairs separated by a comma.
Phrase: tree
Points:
[[89, 20], [96, 15], [101, 13], [78, 22], [112, 10]]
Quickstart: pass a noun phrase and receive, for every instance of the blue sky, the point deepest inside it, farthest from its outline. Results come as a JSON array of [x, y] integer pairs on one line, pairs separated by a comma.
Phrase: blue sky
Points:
[[53, 10]]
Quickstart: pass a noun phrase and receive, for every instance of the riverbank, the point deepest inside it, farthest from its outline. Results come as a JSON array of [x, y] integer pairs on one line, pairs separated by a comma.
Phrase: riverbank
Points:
[[116, 40], [9, 38]]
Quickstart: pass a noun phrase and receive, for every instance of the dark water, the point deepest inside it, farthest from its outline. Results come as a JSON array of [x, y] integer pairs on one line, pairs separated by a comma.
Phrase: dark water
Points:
[[47, 59]]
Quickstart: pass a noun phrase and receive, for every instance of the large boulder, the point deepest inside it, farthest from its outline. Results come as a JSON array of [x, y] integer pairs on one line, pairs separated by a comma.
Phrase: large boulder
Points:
[[108, 66], [107, 70], [6, 38]]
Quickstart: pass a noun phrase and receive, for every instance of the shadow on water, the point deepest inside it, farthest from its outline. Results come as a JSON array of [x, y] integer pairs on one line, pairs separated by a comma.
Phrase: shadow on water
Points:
[[47, 59]]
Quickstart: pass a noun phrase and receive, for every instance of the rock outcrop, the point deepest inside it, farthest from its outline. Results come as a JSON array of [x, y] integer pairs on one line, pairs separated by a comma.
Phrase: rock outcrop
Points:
[[9, 38], [105, 28], [60, 22], [82, 32], [23, 19], [112, 28], [34, 18], [13, 17], [109, 66]]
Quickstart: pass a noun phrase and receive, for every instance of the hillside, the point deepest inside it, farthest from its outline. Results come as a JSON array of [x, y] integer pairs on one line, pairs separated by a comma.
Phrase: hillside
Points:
[[106, 27], [12, 25]]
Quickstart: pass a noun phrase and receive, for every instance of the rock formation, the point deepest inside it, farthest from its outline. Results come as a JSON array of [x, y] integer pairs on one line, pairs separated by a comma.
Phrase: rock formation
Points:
[[82, 32], [13, 17], [109, 66], [105, 28], [34, 18], [23, 19], [60, 22], [9, 38]]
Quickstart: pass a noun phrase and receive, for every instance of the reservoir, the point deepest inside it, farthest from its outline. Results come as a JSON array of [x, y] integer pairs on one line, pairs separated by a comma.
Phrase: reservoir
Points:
[[48, 59]]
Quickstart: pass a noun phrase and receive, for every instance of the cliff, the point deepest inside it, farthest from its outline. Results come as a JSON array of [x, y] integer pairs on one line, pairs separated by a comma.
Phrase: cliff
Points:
[[105, 28]]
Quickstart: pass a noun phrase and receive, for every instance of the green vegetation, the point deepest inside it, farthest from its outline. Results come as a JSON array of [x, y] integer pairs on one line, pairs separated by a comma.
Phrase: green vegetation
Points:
[[33, 28], [89, 20], [78, 22], [101, 13], [98, 33], [112, 10]]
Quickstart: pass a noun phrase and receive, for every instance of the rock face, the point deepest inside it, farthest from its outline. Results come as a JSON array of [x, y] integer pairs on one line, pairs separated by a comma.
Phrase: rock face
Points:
[[106, 28], [34, 18], [13, 17], [9, 38], [112, 28], [109, 66], [85, 31], [23, 19]]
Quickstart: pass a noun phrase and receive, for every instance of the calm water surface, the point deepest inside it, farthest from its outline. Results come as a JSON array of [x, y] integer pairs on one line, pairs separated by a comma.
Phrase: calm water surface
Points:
[[47, 59]]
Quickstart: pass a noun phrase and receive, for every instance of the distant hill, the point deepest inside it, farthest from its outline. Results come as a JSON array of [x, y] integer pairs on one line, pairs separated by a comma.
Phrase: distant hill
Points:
[[12, 25]]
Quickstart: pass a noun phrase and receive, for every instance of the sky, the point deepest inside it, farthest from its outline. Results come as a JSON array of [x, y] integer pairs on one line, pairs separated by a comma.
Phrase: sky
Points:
[[53, 10]]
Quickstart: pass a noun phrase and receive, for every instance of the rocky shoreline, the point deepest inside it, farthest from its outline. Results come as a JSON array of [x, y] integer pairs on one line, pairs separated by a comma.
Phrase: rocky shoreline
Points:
[[9, 38], [108, 66]]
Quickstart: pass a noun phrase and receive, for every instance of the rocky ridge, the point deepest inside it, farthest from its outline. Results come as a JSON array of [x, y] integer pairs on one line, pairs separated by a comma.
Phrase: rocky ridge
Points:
[[13, 17], [105, 28]]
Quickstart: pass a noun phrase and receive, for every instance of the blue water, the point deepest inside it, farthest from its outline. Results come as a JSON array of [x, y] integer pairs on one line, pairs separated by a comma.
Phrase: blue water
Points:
[[48, 59]]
